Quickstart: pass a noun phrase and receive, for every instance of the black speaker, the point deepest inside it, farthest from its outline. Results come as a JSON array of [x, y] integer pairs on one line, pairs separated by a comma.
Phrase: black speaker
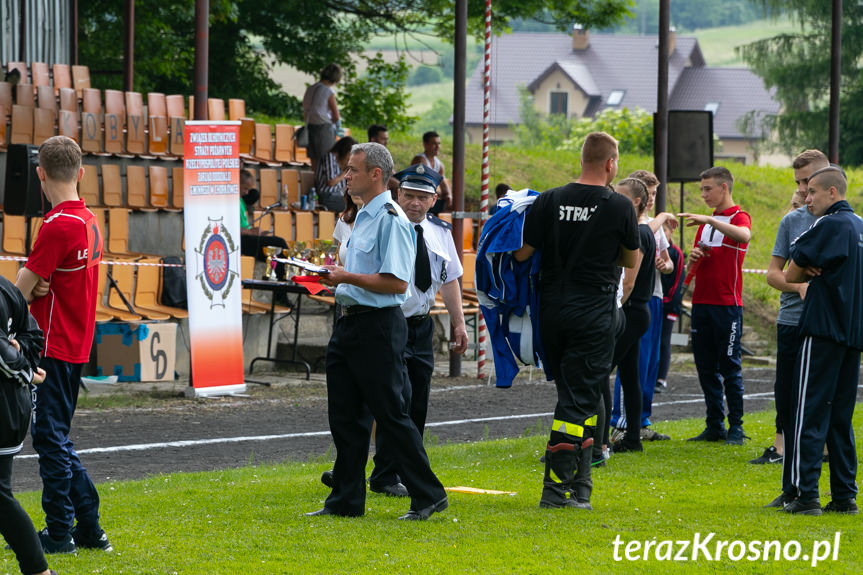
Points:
[[690, 144], [23, 195]]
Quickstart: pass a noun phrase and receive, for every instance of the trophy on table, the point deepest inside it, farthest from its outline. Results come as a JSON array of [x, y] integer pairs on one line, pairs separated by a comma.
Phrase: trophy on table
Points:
[[271, 252]]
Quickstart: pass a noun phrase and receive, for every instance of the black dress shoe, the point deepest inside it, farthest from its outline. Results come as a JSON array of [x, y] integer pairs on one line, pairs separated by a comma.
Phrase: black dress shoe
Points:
[[394, 490], [425, 512], [327, 478]]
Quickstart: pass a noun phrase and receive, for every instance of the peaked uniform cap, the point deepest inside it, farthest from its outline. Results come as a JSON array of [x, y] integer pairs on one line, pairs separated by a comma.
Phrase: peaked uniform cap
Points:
[[419, 177]]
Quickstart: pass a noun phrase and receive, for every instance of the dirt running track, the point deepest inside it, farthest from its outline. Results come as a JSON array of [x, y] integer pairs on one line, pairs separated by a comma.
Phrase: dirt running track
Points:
[[299, 420]]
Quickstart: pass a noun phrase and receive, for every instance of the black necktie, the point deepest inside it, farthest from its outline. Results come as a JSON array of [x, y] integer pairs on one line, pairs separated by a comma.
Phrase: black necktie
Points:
[[422, 274]]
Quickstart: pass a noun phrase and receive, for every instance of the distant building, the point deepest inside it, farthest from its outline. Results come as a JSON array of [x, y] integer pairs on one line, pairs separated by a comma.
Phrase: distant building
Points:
[[582, 74]]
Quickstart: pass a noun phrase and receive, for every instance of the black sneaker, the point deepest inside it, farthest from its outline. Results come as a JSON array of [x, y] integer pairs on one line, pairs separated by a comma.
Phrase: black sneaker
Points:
[[846, 506], [800, 507], [92, 540], [661, 386], [781, 501], [709, 434], [769, 456], [51, 545], [735, 435]]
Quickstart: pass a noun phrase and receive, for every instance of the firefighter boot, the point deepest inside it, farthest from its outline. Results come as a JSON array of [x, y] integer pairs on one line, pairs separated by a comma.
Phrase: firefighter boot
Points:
[[582, 484], [561, 460]]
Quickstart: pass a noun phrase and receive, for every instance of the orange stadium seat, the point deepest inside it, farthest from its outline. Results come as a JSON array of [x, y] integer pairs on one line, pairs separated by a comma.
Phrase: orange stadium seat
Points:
[[80, 78], [136, 188], [290, 187], [284, 143], [41, 74], [45, 97], [305, 226], [269, 186], [112, 185], [236, 109], [14, 234], [177, 191], [44, 124], [62, 77], [88, 187], [326, 225], [106, 313], [158, 187], [148, 286], [22, 125], [25, 95]]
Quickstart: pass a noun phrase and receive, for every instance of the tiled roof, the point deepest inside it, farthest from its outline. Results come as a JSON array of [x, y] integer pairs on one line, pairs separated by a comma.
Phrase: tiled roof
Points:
[[736, 90]]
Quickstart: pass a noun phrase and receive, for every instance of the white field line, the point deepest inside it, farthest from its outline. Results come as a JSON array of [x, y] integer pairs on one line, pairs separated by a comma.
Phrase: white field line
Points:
[[240, 439]]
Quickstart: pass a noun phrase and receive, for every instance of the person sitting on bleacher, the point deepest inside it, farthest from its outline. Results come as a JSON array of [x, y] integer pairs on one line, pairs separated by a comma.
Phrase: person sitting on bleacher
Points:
[[252, 238], [330, 175]]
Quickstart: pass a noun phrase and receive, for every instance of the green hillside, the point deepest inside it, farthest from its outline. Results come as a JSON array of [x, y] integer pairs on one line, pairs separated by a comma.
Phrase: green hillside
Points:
[[719, 45]]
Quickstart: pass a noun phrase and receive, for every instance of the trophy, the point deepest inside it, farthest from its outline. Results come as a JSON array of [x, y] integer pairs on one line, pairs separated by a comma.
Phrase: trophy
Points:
[[271, 252]]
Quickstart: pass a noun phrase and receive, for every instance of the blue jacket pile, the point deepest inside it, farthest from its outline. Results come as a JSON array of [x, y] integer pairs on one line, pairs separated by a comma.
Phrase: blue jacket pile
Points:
[[507, 290]]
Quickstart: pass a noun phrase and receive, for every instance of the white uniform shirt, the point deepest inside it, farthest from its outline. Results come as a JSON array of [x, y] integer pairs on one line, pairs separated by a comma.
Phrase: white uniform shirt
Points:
[[341, 234], [444, 263]]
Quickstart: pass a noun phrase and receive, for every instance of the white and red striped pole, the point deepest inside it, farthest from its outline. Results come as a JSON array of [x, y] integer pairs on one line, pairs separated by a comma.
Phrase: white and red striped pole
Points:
[[483, 201]]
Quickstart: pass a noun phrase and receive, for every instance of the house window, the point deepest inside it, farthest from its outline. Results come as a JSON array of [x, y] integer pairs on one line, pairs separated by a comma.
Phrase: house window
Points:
[[711, 107], [558, 103], [615, 98]]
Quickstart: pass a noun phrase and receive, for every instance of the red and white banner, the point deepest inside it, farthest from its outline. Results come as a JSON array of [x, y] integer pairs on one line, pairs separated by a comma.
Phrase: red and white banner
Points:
[[211, 182]]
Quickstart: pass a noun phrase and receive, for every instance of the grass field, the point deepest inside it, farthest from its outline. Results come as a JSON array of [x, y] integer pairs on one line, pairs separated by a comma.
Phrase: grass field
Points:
[[249, 520], [421, 98]]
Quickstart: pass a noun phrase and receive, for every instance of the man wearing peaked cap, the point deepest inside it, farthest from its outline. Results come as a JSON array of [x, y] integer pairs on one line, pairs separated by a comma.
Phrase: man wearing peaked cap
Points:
[[437, 267], [420, 178]]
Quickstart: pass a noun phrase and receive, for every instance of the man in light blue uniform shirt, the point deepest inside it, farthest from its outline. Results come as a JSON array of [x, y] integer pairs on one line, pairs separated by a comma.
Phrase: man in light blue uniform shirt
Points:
[[372, 332], [788, 338]]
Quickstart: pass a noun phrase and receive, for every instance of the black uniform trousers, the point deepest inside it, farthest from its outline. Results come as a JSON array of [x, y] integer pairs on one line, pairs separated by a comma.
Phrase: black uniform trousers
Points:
[[419, 358], [788, 342], [627, 349], [577, 327], [827, 390], [365, 367], [716, 331]]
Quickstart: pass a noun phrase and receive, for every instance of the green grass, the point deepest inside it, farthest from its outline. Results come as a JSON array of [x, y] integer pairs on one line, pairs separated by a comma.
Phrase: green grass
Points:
[[719, 44], [250, 519], [421, 98]]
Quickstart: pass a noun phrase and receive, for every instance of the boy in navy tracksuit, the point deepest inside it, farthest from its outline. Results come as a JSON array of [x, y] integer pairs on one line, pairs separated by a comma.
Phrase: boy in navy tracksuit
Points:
[[830, 257]]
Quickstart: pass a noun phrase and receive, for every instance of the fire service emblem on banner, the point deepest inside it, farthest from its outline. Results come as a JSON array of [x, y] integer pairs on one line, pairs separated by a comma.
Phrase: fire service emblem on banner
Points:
[[216, 262]]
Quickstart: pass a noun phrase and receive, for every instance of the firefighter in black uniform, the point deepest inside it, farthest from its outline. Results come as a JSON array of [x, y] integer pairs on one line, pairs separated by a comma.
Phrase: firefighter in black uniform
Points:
[[830, 256], [585, 231]]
